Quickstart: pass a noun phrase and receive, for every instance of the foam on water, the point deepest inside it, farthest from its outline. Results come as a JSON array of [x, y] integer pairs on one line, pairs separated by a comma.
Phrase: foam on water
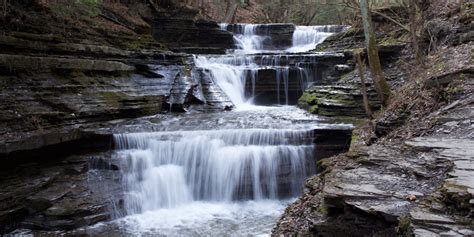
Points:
[[255, 218]]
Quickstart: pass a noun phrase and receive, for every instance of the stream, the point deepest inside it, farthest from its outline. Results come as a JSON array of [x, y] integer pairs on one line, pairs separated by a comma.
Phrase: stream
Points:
[[223, 173]]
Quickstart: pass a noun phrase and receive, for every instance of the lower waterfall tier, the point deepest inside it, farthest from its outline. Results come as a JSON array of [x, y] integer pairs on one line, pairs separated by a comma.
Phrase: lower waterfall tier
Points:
[[168, 169]]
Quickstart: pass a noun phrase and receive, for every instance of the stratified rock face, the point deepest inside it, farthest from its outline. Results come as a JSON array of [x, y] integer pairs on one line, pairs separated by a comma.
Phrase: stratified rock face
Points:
[[182, 34], [46, 97], [213, 97], [337, 101], [61, 195], [457, 191], [191, 89], [339, 95]]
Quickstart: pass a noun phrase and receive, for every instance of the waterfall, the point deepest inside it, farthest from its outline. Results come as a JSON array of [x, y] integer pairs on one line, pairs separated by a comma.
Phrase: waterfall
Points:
[[246, 37], [237, 175], [306, 38], [231, 76], [168, 169], [237, 73]]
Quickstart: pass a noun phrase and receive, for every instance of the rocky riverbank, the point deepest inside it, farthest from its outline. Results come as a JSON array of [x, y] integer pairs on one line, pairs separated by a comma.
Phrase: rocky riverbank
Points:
[[410, 169]]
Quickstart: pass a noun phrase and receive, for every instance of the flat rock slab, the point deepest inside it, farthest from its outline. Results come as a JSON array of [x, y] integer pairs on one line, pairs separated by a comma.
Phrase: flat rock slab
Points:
[[459, 151], [48, 63]]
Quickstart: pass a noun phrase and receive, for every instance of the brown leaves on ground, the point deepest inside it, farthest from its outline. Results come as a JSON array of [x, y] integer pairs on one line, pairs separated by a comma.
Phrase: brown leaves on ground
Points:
[[413, 106]]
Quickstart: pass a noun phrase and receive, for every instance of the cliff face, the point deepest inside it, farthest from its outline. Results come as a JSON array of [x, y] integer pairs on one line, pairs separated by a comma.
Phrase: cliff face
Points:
[[409, 171], [65, 66]]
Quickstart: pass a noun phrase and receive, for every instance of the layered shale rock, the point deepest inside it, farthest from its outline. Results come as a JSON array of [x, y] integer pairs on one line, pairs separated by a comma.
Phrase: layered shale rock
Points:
[[179, 31], [59, 195], [53, 86]]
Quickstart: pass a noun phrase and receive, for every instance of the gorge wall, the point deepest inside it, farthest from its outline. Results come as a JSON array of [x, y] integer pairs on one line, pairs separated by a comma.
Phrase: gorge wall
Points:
[[78, 71]]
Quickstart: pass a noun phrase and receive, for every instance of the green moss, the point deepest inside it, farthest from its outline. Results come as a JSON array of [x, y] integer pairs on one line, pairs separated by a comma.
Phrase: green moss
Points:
[[309, 98], [112, 98], [389, 41], [142, 42], [324, 165], [449, 93], [355, 137], [323, 209], [321, 47], [404, 226], [346, 77], [313, 109], [456, 197]]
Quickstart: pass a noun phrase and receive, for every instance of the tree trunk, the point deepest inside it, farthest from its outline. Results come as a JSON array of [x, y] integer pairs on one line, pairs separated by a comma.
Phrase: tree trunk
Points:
[[381, 85], [230, 17], [4, 5], [412, 8], [363, 87]]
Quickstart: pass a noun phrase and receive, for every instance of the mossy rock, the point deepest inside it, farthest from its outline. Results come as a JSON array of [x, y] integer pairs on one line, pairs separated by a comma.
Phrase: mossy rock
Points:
[[112, 98], [313, 109], [309, 98], [324, 165], [404, 226], [456, 197]]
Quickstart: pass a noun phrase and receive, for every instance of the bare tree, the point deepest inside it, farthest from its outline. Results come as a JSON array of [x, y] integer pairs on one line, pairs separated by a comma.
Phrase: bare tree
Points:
[[4, 7], [363, 87], [381, 85], [412, 7]]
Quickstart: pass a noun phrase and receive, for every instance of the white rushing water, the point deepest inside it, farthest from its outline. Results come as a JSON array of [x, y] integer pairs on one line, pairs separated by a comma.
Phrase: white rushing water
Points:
[[232, 181], [232, 177], [230, 76], [252, 38], [175, 168], [235, 71], [306, 38], [246, 38]]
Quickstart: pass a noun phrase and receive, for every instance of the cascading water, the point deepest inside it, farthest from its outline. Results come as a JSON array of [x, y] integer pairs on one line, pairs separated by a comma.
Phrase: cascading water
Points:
[[246, 38], [306, 38], [238, 72], [231, 77], [224, 173], [175, 168]]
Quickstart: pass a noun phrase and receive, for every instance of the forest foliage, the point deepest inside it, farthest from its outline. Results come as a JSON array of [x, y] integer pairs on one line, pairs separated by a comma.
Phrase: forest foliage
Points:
[[301, 12]]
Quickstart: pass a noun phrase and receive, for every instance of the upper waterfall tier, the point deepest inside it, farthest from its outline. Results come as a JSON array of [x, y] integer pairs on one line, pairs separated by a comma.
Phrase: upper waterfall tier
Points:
[[257, 38]]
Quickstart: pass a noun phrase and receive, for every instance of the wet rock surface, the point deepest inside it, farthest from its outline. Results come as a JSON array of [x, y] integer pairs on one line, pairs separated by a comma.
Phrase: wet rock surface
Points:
[[427, 189], [60, 194]]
